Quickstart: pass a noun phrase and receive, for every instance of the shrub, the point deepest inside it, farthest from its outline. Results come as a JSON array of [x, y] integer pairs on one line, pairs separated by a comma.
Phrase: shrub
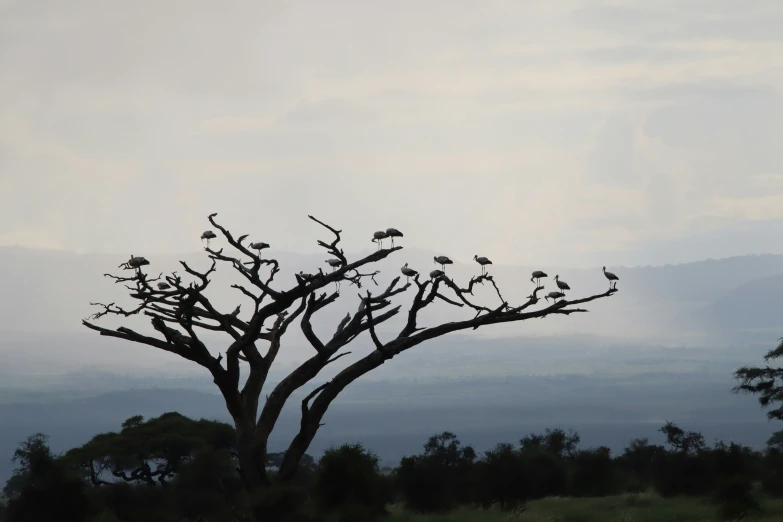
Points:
[[350, 476], [734, 496]]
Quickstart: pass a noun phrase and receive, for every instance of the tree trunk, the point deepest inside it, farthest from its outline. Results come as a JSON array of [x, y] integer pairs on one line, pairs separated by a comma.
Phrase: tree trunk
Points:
[[251, 453]]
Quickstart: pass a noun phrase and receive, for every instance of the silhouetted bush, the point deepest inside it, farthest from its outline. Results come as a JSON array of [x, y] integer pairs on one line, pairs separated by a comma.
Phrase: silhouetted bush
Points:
[[441, 478], [281, 502], [735, 499], [772, 473], [42, 488], [350, 476], [593, 473], [502, 478]]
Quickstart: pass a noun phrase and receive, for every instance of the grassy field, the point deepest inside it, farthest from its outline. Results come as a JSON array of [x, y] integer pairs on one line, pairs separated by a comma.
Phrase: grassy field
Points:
[[642, 507]]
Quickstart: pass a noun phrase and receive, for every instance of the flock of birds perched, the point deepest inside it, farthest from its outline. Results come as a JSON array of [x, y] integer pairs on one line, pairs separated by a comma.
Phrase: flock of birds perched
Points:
[[408, 272], [390, 233]]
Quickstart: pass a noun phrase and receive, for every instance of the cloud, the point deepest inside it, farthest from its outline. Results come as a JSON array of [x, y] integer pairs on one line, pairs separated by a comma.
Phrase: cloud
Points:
[[529, 131]]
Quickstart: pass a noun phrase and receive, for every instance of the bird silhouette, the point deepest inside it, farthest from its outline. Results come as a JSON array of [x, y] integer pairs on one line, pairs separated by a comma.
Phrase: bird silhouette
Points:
[[392, 233], [208, 234], [443, 261], [408, 272], [562, 285], [612, 279], [483, 261], [259, 246], [554, 295], [537, 276], [378, 237]]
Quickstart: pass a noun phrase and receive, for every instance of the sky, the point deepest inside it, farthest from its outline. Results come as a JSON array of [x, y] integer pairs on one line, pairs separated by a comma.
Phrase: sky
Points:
[[519, 130]]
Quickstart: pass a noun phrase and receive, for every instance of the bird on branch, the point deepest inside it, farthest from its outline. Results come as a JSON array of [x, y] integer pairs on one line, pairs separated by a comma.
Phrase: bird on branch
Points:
[[443, 261], [562, 285], [163, 286], [335, 264], [208, 234], [392, 233], [378, 237], [435, 274], [408, 272], [483, 261], [612, 279], [554, 295], [137, 262], [537, 275], [258, 246]]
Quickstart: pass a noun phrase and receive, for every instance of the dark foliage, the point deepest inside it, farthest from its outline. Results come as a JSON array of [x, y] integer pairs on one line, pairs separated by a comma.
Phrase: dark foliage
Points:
[[41, 488], [440, 478], [350, 476]]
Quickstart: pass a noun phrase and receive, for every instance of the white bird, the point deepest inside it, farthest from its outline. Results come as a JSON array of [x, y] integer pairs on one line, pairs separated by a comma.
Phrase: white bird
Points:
[[483, 261], [258, 246], [443, 261], [408, 272], [562, 285], [554, 295], [537, 275], [435, 274], [163, 286], [392, 233], [612, 278], [208, 234], [378, 237]]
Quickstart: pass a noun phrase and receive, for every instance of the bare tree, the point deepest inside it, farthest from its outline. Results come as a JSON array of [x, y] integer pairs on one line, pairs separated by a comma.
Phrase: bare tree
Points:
[[180, 310]]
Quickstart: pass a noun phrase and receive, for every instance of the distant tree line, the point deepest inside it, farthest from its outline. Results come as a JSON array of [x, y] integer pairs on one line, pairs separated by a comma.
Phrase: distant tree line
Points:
[[174, 468]]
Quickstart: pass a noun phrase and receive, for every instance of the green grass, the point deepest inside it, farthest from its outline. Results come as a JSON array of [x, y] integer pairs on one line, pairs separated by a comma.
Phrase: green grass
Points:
[[643, 507]]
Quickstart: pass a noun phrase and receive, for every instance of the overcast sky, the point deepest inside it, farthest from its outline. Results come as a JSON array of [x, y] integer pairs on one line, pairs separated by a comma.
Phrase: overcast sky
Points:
[[521, 130]]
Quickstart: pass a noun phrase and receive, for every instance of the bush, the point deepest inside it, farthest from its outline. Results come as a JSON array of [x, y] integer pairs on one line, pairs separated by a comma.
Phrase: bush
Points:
[[440, 479], [281, 502], [350, 476], [734, 496], [503, 478]]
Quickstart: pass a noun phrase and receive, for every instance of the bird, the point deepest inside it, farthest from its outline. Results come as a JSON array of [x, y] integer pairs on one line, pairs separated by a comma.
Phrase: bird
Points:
[[554, 295], [562, 285], [408, 272], [392, 233], [443, 261], [163, 286], [335, 263], [208, 234], [612, 278], [137, 262], [483, 261], [306, 277], [435, 274], [258, 246], [537, 275], [378, 237]]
